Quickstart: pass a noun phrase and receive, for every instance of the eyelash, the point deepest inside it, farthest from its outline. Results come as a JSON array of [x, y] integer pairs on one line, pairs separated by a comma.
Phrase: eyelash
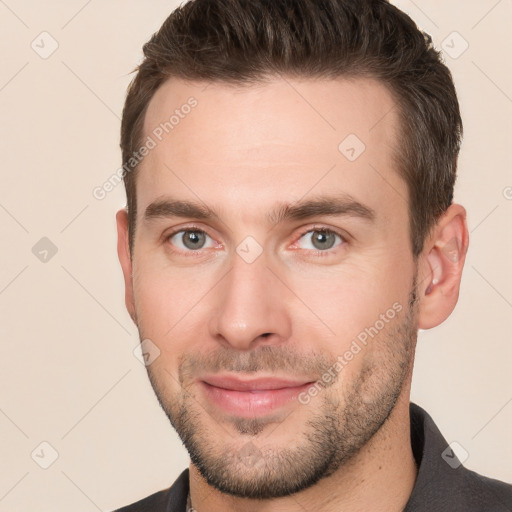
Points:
[[311, 229]]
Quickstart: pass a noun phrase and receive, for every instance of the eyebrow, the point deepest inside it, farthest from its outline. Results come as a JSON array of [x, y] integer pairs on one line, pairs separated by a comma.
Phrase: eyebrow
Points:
[[342, 205]]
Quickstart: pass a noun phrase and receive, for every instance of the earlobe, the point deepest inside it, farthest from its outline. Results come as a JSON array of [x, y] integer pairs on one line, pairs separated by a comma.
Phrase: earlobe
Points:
[[123, 252], [443, 261]]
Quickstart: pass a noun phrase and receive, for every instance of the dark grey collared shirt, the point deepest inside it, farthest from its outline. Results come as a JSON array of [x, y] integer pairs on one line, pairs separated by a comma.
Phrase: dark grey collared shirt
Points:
[[442, 484]]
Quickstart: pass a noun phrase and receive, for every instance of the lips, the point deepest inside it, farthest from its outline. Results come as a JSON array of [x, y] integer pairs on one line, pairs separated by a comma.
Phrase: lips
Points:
[[260, 384], [251, 397]]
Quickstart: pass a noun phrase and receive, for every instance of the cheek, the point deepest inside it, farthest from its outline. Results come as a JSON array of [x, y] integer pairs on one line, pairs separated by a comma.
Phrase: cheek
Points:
[[153, 302], [157, 316], [158, 319], [351, 299], [164, 295], [353, 307], [170, 305]]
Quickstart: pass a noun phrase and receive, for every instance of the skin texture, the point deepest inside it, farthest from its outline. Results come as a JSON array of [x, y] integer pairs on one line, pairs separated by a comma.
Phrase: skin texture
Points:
[[296, 308]]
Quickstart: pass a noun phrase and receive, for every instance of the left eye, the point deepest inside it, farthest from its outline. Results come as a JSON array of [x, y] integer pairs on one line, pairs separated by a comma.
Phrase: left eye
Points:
[[191, 240], [319, 239]]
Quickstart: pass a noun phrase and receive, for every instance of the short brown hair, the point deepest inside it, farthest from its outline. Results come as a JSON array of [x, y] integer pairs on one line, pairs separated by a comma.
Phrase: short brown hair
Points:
[[247, 41]]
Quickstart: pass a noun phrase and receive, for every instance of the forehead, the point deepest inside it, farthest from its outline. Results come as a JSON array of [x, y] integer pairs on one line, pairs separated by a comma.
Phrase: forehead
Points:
[[278, 140]]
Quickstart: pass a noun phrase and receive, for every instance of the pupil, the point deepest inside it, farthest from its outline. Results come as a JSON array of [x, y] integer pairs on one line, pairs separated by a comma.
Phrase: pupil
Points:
[[193, 239], [323, 240]]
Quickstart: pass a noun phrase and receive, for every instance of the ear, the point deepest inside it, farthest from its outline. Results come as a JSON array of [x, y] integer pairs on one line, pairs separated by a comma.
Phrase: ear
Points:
[[441, 263], [123, 252]]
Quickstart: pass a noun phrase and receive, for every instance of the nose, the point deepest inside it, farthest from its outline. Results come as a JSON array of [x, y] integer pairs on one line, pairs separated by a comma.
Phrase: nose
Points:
[[251, 306]]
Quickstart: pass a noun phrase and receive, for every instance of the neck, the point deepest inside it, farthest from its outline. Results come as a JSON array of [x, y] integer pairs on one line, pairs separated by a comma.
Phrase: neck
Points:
[[380, 477]]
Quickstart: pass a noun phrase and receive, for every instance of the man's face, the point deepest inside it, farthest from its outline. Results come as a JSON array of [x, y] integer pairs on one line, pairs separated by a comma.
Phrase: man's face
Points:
[[304, 271]]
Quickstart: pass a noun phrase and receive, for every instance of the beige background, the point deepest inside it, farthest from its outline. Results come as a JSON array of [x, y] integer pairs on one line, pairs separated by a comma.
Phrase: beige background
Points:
[[68, 375]]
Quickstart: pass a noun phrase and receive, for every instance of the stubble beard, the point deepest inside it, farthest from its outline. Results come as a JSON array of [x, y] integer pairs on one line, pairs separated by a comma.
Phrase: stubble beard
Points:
[[336, 430]]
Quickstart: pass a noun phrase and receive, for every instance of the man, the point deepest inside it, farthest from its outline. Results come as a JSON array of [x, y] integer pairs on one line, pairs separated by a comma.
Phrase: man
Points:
[[289, 168]]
